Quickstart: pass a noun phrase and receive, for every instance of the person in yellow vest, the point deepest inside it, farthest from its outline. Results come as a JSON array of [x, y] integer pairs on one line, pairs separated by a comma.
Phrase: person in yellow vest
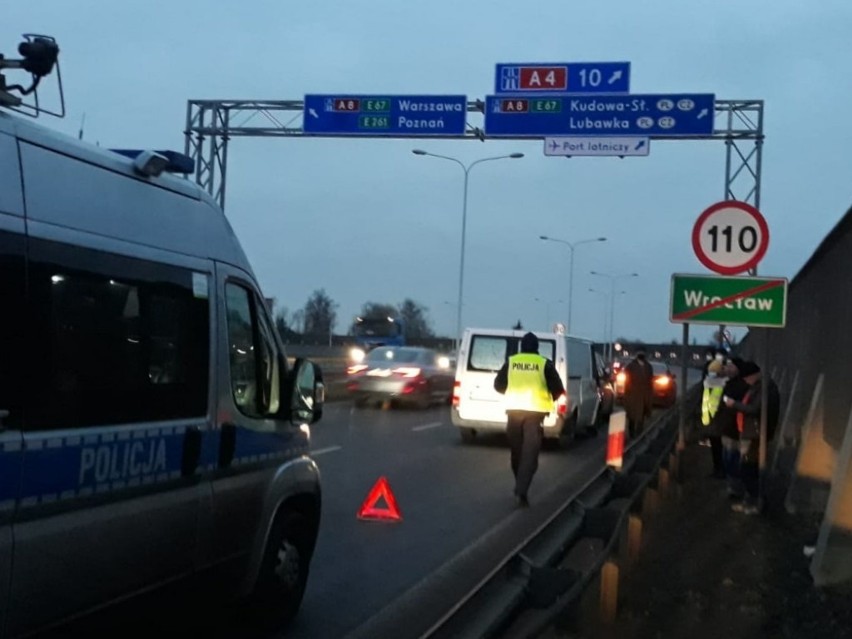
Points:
[[714, 384], [531, 385]]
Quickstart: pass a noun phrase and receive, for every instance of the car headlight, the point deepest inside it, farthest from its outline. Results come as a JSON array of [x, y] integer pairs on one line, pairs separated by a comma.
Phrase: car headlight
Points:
[[357, 355]]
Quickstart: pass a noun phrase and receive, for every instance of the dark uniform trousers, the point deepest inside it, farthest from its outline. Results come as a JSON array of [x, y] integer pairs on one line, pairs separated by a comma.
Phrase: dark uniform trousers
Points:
[[524, 430]]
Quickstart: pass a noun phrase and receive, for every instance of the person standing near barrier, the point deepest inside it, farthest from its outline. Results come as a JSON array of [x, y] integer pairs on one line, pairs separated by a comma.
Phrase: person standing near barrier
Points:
[[531, 385], [725, 424], [748, 425], [714, 383], [638, 393]]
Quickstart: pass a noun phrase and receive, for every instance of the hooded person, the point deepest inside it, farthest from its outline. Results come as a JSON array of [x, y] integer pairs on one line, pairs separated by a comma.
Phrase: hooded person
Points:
[[638, 393], [530, 384]]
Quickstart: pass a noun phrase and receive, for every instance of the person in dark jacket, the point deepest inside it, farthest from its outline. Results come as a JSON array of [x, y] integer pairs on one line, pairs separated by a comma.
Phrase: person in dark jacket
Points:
[[749, 411], [531, 385], [638, 393], [724, 424]]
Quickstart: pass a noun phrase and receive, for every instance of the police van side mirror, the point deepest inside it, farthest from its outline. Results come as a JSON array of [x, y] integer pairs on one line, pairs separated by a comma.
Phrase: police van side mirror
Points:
[[306, 391]]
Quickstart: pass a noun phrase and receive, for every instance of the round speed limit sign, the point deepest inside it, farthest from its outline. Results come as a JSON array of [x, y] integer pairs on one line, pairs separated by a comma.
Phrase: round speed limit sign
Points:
[[730, 237]]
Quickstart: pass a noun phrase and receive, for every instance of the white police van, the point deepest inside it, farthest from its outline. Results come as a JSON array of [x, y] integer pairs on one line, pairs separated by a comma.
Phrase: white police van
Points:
[[149, 426], [478, 408]]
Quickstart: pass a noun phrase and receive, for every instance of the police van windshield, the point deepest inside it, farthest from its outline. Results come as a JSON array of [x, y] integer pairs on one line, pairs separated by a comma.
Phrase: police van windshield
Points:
[[490, 352]]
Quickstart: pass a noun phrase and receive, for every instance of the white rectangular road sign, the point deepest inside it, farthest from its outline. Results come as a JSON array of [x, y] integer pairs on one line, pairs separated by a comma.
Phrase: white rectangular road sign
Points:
[[597, 146]]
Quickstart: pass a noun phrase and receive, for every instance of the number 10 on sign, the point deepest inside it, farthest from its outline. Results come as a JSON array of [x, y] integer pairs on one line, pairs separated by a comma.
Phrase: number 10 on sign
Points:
[[730, 237]]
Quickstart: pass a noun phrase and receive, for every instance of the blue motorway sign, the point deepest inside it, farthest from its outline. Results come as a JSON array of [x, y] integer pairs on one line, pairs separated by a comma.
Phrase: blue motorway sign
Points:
[[662, 116], [372, 115], [563, 77]]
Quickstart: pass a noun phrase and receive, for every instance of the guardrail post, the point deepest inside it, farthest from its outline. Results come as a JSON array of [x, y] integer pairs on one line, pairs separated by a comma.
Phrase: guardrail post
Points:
[[663, 480], [609, 591], [634, 537]]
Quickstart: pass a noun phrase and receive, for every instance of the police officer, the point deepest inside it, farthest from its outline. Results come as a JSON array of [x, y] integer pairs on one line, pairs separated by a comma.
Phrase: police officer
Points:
[[531, 384]]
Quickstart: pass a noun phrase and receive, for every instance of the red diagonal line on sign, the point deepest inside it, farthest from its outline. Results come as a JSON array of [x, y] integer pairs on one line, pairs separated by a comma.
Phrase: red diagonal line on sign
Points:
[[727, 300]]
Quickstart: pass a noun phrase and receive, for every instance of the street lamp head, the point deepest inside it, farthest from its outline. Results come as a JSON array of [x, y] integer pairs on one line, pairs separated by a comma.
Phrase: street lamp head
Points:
[[543, 237], [418, 152], [601, 239], [516, 156]]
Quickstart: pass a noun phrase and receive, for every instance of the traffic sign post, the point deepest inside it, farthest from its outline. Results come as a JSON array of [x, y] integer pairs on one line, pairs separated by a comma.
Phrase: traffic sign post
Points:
[[730, 237], [597, 147], [657, 115], [562, 77], [738, 301], [376, 115]]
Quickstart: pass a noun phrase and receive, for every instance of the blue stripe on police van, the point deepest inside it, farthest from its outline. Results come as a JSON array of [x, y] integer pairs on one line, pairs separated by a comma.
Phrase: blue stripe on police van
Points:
[[61, 468], [56, 467]]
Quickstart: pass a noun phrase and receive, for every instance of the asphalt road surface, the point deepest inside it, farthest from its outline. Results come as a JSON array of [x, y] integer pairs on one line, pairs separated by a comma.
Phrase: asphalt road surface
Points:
[[450, 495]]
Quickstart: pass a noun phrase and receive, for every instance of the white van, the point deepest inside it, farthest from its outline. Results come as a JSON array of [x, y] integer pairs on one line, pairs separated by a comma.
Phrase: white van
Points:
[[478, 408], [150, 427]]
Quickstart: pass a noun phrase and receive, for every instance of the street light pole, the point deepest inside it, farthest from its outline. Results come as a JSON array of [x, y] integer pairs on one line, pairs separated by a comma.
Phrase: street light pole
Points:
[[466, 169], [571, 246], [613, 279]]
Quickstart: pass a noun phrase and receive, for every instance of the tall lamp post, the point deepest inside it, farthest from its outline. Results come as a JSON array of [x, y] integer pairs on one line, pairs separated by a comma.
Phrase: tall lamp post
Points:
[[466, 168], [613, 279], [571, 246]]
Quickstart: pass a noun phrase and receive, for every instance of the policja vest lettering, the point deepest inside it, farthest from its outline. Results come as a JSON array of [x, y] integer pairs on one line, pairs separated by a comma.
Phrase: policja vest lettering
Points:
[[527, 386]]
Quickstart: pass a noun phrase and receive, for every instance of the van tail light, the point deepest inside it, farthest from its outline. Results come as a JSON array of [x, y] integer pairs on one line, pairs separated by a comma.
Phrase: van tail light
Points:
[[562, 405], [456, 393]]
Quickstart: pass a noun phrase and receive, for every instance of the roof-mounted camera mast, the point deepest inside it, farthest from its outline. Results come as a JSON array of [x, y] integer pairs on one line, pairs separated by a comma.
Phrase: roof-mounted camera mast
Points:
[[39, 54]]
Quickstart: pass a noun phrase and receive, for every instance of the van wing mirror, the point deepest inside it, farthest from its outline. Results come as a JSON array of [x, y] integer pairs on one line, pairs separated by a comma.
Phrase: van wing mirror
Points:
[[307, 394]]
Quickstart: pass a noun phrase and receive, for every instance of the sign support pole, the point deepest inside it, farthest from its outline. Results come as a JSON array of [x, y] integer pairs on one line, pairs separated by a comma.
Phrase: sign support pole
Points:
[[684, 380], [764, 416]]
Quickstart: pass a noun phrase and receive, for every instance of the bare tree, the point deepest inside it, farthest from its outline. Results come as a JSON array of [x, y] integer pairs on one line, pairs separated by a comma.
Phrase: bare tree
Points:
[[415, 317], [320, 314]]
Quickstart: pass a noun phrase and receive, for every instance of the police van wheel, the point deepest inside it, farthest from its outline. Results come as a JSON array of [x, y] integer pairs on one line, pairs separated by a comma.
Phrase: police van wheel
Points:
[[284, 571]]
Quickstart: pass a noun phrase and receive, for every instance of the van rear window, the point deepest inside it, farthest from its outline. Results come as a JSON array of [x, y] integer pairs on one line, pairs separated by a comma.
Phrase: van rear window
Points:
[[489, 352]]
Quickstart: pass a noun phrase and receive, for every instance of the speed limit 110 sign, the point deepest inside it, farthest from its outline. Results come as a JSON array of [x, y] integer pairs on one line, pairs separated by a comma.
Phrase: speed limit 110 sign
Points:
[[730, 237]]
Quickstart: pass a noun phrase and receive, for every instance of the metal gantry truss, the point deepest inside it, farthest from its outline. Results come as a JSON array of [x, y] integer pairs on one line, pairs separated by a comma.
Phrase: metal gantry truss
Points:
[[210, 125]]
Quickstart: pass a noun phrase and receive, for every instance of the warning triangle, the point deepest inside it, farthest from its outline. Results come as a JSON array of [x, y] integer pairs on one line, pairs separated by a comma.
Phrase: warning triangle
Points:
[[368, 510]]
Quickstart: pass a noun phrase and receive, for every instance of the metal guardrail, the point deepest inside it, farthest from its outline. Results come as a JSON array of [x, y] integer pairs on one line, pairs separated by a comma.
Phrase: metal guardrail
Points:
[[552, 567]]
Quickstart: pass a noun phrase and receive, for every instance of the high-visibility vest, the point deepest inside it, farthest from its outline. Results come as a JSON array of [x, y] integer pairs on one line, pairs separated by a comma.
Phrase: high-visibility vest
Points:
[[710, 403], [741, 415], [527, 387]]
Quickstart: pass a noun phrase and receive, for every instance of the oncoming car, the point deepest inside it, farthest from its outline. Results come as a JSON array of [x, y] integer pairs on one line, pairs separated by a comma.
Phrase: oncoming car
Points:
[[402, 374], [664, 385]]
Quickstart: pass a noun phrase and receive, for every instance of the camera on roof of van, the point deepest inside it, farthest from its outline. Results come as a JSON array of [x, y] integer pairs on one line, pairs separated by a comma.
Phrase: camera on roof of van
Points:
[[40, 54]]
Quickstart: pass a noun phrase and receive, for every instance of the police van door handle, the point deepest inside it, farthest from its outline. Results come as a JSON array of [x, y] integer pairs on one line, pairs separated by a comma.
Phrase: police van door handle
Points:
[[191, 451], [227, 445]]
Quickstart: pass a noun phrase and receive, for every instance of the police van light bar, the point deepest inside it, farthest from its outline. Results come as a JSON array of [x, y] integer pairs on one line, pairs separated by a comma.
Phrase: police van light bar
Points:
[[176, 162]]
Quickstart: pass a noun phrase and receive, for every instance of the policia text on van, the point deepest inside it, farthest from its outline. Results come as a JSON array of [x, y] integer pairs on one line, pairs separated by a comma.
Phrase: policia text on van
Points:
[[149, 426]]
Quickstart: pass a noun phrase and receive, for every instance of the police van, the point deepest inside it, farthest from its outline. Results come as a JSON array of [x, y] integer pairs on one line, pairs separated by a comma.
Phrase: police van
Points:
[[150, 427], [478, 408]]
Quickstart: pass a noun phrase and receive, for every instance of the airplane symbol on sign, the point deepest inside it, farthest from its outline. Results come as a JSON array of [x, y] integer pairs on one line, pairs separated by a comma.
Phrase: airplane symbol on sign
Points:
[[554, 145]]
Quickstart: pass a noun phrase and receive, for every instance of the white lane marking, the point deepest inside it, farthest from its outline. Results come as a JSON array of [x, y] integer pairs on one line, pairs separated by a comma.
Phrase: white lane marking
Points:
[[323, 451], [427, 426]]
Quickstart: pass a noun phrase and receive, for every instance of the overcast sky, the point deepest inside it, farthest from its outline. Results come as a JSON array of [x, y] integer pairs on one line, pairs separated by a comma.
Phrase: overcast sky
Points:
[[369, 221]]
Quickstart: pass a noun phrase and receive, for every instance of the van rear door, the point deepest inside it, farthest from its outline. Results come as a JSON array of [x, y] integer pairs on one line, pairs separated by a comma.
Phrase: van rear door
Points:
[[487, 354]]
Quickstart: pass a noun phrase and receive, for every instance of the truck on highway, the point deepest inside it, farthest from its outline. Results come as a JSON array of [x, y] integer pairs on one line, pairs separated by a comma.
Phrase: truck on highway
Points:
[[371, 332]]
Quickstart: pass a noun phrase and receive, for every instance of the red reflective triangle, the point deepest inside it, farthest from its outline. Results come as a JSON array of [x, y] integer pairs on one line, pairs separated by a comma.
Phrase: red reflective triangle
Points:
[[381, 490]]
